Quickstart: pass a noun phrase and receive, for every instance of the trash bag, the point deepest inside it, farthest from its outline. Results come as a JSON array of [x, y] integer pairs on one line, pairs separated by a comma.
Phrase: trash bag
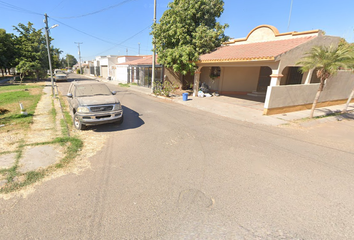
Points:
[[204, 88]]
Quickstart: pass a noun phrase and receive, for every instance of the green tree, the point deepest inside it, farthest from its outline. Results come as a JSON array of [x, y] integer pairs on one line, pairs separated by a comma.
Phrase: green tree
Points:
[[7, 51], [327, 61], [31, 47], [25, 67], [70, 60], [187, 30], [56, 61]]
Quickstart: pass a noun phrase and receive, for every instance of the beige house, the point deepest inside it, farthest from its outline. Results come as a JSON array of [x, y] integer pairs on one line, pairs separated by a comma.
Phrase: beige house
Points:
[[264, 64]]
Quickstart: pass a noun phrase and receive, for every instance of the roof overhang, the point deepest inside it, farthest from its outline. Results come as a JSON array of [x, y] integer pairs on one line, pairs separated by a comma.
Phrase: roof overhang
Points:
[[260, 59]]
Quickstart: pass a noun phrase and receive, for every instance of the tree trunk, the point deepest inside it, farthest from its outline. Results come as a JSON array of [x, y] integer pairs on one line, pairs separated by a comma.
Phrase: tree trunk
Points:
[[320, 89], [22, 75], [349, 100]]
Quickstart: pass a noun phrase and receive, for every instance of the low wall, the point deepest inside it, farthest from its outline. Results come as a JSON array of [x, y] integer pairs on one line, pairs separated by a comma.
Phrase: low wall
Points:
[[299, 97], [121, 74]]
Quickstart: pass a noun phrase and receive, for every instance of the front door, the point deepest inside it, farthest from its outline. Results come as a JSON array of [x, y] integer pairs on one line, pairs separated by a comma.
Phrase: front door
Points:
[[264, 79]]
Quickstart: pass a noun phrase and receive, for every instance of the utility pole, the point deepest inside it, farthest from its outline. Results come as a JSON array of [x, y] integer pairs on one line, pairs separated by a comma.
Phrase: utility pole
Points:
[[48, 49], [138, 49], [154, 55], [78, 45]]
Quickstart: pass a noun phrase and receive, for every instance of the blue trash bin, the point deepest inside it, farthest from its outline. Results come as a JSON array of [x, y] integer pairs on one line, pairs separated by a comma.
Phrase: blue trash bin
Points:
[[185, 96]]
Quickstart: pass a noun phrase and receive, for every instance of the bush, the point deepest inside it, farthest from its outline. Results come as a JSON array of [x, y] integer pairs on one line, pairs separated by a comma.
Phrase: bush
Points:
[[164, 88], [78, 71]]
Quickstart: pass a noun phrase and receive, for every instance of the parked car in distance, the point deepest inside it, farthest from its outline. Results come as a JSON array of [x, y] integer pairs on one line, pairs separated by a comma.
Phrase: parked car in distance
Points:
[[92, 103], [59, 75]]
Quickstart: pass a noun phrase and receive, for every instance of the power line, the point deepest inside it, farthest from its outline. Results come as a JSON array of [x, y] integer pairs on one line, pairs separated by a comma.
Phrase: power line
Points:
[[58, 5], [18, 9], [113, 43], [98, 11], [120, 44], [83, 32]]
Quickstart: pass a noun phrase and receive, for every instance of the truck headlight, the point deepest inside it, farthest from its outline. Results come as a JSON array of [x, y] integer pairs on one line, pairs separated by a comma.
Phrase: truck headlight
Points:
[[117, 106], [83, 110]]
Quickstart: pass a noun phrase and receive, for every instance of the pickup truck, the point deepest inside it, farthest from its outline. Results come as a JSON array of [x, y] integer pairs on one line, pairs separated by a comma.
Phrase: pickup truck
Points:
[[92, 103]]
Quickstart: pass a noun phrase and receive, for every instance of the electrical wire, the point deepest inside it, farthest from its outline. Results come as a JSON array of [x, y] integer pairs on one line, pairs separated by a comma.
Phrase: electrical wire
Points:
[[100, 39], [19, 9], [120, 44], [56, 7], [82, 31], [11, 7], [98, 11]]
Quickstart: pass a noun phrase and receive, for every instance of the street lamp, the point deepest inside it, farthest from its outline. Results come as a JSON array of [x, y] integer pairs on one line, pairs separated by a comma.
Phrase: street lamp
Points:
[[49, 58]]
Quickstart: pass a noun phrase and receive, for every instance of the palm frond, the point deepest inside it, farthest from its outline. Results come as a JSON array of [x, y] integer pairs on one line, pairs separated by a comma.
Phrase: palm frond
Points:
[[327, 59]]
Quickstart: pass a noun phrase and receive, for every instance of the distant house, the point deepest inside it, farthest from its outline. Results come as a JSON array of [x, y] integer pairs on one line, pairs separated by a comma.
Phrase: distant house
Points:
[[120, 68], [101, 66], [264, 64], [138, 71]]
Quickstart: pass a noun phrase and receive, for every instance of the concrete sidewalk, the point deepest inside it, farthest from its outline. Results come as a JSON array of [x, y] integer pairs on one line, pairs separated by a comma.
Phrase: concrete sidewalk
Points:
[[34, 155], [253, 111]]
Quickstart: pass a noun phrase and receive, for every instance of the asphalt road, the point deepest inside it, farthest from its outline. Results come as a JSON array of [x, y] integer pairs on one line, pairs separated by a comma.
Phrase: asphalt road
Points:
[[172, 172]]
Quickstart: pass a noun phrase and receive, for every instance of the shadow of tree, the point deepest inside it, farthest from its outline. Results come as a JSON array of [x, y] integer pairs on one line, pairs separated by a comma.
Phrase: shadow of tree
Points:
[[11, 118], [348, 116]]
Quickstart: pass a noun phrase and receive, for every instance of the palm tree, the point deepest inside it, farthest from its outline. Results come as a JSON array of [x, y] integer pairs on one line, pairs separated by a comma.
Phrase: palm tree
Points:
[[351, 66], [327, 61]]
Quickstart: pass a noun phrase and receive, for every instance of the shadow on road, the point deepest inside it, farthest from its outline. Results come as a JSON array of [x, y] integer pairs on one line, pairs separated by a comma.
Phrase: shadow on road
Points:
[[348, 116], [131, 120]]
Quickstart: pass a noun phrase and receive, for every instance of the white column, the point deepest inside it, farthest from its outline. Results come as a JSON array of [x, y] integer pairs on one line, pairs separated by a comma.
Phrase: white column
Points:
[[275, 78]]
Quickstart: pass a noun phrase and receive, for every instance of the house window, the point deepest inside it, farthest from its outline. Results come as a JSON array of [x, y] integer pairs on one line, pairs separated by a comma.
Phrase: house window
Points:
[[294, 76], [215, 72]]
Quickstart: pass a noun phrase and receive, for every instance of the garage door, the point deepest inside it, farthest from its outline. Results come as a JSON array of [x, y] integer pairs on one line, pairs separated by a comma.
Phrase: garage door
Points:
[[104, 72]]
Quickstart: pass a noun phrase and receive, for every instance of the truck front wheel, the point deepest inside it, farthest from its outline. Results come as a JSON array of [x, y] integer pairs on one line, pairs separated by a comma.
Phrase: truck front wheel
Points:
[[77, 123]]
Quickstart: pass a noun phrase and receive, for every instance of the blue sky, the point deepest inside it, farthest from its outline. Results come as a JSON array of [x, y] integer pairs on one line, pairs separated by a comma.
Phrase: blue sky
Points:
[[115, 27]]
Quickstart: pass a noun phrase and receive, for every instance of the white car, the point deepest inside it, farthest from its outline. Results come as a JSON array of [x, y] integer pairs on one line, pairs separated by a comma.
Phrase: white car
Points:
[[60, 76]]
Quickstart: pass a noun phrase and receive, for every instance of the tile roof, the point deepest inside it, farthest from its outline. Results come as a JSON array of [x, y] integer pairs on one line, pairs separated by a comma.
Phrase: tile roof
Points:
[[253, 51], [141, 61]]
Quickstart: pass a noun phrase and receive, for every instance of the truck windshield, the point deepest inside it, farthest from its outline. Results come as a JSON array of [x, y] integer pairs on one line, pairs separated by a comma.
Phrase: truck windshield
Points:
[[92, 90]]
